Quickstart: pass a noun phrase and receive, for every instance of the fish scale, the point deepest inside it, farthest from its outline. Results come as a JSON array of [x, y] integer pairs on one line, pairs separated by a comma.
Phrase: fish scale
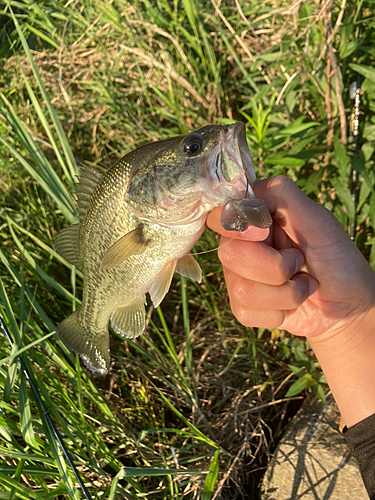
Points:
[[138, 223]]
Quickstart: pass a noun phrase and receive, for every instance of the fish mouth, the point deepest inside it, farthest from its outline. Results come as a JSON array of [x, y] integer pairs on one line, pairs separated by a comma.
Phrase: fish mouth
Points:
[[235, 154], [234, 169]]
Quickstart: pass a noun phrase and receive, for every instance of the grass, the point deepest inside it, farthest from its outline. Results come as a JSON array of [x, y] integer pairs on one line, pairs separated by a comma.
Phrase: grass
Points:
[[194, 407]]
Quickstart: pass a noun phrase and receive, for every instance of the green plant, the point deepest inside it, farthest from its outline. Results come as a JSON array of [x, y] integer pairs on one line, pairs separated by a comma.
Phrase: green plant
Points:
[[303, 364], [89, 81]]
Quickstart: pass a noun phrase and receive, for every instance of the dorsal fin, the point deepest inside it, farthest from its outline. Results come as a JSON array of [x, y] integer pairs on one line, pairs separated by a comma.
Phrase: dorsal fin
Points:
[[67, 245], [89, 178]]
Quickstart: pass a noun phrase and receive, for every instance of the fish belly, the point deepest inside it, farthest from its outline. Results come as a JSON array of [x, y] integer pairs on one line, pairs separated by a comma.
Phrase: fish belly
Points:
[[125, 285], [118, 295]]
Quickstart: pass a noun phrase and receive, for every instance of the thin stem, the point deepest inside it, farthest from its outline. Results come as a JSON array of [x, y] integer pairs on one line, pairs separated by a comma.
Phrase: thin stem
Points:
[[47, 415]]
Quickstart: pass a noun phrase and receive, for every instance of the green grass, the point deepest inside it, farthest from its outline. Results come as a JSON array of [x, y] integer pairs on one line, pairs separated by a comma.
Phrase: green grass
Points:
[[185, 410]]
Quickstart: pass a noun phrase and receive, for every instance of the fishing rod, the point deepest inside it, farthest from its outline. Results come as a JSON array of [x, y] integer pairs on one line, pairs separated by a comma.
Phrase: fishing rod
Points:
[[47, 415], [355, 93]]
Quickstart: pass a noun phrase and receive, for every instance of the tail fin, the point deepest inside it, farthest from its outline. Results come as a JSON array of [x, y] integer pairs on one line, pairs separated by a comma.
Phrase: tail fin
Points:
[[91, 346]]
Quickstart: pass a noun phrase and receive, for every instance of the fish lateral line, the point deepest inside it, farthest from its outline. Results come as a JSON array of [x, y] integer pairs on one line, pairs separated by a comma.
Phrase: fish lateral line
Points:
[[176, 181]]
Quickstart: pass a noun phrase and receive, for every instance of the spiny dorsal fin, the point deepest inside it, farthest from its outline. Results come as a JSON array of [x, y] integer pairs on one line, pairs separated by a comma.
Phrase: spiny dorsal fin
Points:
[[160, 286], [129, 320], [189, 267], [67, 245], [89, 178], [132, 243]]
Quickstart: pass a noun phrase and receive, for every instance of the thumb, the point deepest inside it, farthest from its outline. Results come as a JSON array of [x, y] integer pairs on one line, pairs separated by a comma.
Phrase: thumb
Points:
[[301, 218]]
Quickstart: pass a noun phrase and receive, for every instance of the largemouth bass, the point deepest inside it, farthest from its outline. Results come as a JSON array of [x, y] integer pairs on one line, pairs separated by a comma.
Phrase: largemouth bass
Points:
[[139, 221]]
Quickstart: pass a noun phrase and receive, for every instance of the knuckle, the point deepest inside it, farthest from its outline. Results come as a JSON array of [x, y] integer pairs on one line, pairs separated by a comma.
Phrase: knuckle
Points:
[[281, 182], [227, 255], [276, 321], [242, 315], [244, 290], [259, 319]]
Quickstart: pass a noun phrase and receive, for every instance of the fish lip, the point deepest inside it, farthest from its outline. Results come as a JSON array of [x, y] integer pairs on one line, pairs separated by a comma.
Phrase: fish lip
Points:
[[247, 162], [233, 169], [235, 147]]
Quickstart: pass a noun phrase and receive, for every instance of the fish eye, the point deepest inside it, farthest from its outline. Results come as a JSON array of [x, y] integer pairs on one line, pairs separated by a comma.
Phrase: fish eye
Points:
[[192, 145]]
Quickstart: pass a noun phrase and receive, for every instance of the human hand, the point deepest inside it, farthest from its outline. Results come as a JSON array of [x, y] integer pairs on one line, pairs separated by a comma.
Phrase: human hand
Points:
[[306, 276]]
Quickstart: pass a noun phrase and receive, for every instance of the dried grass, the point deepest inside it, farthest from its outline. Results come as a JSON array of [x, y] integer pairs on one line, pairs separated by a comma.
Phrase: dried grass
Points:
[[109, 87], [238, 406], [112, 95]]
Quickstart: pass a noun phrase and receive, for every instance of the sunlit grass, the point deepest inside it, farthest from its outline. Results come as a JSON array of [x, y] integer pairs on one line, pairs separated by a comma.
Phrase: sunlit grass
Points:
[[185, 410]]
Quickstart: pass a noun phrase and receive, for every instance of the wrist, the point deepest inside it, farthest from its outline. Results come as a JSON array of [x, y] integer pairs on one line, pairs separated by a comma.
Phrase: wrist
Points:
[[349, 331], [347, 356]]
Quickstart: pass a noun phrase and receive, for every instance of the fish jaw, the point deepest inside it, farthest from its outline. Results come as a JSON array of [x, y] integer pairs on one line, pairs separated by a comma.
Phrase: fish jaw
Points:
[[243, 208], [230, 171], [236, 158], [225, 171]]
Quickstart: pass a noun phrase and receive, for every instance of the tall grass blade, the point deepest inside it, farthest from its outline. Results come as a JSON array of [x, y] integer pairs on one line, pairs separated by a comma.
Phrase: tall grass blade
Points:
[[48, 130], [49, 427], [185, 315], [17, 352], [41, 244], [22, 492], [197, 433], [34, 303], [54, 188], [56, 122], [26, 423], [50, 281], [209, 485]]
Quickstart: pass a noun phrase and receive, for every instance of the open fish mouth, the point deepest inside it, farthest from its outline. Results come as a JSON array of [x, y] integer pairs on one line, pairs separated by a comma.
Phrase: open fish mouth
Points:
[[235, 154], [234, 169], [241, 211]]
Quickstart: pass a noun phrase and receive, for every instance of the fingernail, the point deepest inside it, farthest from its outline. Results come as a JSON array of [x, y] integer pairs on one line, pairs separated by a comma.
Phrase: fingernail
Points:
[[313, 286], [299, 263], [253, 233]]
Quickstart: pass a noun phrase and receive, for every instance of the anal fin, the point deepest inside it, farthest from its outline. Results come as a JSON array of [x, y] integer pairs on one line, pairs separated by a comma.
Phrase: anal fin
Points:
[[129, 320]]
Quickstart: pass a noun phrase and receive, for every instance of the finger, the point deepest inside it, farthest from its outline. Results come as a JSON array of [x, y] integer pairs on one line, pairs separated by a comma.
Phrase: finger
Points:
[[258, 319], [251, 234], [258, 296], [257, 261], [300, 217]]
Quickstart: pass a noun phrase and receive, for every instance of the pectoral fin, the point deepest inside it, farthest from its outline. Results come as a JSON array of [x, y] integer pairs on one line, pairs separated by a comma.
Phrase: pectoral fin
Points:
[[132, 243], [160, 286], [129, 320], [189, 267]]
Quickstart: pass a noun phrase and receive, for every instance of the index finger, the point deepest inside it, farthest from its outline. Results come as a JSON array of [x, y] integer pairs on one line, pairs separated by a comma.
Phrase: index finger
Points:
[[251, 234]]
